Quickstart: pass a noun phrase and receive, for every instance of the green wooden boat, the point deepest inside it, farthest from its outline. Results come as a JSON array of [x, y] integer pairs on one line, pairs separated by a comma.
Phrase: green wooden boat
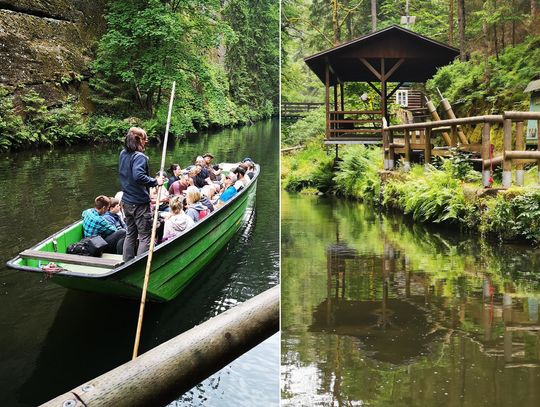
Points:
[[175, 262]]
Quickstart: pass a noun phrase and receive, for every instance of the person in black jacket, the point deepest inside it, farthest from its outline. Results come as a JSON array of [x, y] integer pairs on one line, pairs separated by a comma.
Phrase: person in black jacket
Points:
[[136, 181]]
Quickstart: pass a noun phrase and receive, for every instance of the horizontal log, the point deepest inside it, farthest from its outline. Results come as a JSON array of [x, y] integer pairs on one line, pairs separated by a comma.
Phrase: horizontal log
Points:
[[170, 369], [521, 115], [449, 122], [472, 148], [527, 154]]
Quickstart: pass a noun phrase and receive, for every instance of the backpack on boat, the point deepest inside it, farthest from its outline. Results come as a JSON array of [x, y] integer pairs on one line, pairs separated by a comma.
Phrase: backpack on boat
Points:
[[89, 246]]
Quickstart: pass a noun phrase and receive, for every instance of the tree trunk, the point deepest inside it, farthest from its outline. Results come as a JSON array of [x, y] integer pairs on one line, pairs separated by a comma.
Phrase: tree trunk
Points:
[[451, 22], [495, 42], [461, 26], [373, 15], [335, 23], [487, 52], [533, 27]]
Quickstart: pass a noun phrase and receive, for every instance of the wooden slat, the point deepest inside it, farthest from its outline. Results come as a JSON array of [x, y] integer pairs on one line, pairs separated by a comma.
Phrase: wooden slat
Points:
[[355, 131], [71, 258], [356, 112], [378, 121]]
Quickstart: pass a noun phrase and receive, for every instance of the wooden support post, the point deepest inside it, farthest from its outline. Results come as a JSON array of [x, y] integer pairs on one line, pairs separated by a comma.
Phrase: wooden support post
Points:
[[407, 160], [386, 144], [453, 137], [384, 106], [486, 147], [450, 113], [327, 101], [520, 146], [391, 152], [507, 146], [427, 147], [342, 97], [435, 117], [538, 148]]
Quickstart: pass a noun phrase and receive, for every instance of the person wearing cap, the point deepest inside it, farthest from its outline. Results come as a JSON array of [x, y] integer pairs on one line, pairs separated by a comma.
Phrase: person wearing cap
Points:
[[212, 172]]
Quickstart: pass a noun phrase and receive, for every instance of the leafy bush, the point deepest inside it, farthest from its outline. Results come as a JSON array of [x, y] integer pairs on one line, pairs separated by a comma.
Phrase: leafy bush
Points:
[[308, 128], [358, 173]]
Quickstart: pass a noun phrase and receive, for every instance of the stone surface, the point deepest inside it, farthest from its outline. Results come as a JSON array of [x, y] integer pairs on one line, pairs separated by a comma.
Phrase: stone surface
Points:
[[47, 45]]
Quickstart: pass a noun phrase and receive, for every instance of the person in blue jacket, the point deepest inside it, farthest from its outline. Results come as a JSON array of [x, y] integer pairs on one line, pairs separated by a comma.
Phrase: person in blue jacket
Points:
[[136, 181]]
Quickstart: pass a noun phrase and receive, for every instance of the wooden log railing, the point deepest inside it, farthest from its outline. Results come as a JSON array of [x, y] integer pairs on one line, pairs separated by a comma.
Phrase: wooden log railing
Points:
[[296, 110], [517, 154], [424, 143], [355, 126]]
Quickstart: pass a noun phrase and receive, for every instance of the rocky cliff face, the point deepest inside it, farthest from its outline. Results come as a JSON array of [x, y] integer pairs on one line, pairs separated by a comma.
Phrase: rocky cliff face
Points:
[[47, 45]]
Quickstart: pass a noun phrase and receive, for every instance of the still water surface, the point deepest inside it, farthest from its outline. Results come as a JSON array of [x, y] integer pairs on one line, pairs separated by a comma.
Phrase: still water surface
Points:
[[377, 311], [53, 339]]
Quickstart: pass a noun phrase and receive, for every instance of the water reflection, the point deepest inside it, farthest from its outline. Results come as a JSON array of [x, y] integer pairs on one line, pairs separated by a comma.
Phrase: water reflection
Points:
[[397, 315]]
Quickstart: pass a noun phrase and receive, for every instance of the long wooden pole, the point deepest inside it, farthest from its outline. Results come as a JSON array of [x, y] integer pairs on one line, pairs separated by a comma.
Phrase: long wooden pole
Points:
[[153, 236]]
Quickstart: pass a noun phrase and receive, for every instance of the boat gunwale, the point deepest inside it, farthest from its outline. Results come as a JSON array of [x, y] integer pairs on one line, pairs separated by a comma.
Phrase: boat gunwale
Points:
[[73, 274]]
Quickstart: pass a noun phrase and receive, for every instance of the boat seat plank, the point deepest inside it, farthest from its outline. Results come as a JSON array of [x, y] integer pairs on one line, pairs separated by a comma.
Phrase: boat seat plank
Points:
[[71, 258]]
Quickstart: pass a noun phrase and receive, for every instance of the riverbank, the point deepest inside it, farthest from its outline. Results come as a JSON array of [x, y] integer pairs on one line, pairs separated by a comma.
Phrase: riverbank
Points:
[[448, 193], [68, 124]]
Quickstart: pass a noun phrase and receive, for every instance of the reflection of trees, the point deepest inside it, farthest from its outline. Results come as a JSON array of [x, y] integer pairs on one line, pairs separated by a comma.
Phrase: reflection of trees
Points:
[[454, 287]]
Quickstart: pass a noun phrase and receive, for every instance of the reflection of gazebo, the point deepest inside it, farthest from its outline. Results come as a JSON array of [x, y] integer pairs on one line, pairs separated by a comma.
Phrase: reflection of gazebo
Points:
[[393, 54], [394, 332]]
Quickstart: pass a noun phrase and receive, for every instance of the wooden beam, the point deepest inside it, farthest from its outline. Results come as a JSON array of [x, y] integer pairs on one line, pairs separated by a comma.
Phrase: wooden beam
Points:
[[327, 96], [370, 67], [374, 88], [393, 69], [334, 73], [395, 90]]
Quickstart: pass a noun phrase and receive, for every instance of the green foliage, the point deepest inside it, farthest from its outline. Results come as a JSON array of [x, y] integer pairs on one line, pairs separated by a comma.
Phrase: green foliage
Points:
[[513, 218], [308, 128], [357, 175], [10, 123], [252, 58], [477, 88], [435, 197]]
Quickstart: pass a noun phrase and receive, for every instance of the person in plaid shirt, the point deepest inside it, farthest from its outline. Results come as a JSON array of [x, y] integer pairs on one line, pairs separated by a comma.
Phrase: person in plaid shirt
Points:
[[95, 225]]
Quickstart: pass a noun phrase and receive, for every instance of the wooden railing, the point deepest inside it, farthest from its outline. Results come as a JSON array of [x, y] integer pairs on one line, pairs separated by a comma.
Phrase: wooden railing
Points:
[[354, 126], [418, 136], [296, 110]]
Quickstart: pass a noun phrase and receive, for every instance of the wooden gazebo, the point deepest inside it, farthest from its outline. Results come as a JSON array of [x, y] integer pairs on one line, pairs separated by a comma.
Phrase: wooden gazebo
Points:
[[391, 55]]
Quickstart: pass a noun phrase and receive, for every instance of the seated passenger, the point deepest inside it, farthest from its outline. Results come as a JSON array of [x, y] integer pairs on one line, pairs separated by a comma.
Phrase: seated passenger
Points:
[[213, 172], [163, 197], [242, 181], [95, 225], [178, 221], [250, 168], [206, 197], [176, 172], [195, 209], [198, 178], [113, 215], [229, 191], [178, 187]]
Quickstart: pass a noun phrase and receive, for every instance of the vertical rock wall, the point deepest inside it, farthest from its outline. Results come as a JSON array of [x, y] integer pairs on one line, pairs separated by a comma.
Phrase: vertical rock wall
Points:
[[47, 45]]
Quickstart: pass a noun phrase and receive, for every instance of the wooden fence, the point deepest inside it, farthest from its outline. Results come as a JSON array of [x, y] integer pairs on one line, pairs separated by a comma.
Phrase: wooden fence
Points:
[[297, 110], [418, 136]]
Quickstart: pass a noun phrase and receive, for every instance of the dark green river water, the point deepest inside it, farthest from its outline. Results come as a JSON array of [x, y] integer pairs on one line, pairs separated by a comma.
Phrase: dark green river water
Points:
[[53, 339], [377, 311]]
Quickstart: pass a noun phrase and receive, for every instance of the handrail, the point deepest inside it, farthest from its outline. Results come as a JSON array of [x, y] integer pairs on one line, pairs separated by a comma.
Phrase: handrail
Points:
[[449, 122]]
